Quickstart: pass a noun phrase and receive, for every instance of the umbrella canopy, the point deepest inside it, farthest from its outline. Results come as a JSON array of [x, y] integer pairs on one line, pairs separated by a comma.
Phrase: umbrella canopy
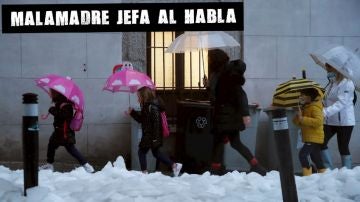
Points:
[[342, 59], [64, 85], [196, 41], [287, 93], [199, 41], [127, 80]]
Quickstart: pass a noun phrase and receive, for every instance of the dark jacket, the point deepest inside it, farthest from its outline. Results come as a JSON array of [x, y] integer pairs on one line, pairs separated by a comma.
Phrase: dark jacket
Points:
[[150, 119], [63, 114], [231, 103]]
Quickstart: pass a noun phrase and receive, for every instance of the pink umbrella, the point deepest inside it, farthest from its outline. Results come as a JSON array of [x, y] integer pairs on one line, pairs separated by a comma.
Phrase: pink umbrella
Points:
[[127, 80], [63, 85]]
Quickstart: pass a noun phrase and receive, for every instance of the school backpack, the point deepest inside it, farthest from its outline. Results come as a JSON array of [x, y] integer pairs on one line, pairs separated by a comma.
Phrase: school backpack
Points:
[[164, 123], [77, 120], [165, 126]]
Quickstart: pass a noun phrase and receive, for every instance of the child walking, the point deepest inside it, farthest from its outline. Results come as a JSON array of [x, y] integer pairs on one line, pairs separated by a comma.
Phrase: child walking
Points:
[[310, 120], [150, 120], [63, 135]]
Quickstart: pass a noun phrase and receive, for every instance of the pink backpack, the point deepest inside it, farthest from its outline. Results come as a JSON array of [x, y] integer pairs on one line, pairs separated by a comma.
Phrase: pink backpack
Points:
[[165, 126], [77, 120], [164, 123]]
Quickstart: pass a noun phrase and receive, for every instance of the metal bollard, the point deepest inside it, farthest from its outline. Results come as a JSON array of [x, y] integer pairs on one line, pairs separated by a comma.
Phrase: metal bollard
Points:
[[282, 142], [30, 137]]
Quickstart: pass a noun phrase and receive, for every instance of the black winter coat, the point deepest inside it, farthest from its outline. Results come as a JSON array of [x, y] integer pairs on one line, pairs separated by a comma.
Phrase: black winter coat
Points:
[[231, 103], [63, 114], [150, 119]]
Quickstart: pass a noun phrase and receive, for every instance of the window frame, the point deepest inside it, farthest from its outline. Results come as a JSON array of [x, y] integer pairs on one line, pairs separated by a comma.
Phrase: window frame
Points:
[[178, 68]]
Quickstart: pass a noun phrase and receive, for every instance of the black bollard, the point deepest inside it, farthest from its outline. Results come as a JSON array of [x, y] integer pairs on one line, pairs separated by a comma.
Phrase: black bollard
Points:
[[282, 142], [30, 138]]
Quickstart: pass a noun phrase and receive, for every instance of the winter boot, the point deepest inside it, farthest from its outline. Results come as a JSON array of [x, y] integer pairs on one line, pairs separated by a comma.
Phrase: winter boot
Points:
[[47, 166], [322, 170], [176, 169], [217, 169], [326, 157], [346, 161], [88, 168], [256, 167], [307, 171]]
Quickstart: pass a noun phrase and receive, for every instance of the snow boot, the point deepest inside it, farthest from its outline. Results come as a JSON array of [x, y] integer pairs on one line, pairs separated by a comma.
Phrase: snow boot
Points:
[[176, 169], [88, 168], [322, 170], [47, 166], [217, 169], [307, 171], [326, 157], [346, 161], [256, 167]]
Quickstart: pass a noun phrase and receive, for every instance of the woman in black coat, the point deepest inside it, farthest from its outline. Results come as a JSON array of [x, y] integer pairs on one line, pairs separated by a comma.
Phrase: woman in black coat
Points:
[[231, 115], [151, 125]]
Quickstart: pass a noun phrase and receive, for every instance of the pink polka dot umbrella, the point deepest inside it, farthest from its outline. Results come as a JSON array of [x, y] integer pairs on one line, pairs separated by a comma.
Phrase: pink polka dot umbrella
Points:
[[64, 85]]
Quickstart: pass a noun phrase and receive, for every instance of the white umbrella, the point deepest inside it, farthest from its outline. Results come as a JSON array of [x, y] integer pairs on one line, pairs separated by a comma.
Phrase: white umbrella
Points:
[[202, 40], [196, 41], [342, 59]]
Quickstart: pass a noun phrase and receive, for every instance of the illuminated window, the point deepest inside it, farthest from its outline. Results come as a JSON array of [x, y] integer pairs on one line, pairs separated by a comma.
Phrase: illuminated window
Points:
[[195, 67], [171, 71]]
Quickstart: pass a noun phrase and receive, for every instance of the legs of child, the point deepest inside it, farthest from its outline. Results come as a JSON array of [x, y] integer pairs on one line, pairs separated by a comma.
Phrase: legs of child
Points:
[[176, 167]]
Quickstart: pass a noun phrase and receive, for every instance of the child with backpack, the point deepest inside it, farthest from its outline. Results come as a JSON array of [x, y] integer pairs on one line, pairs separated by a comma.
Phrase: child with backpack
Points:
[[151, 119], [310, 120], [63, 134]]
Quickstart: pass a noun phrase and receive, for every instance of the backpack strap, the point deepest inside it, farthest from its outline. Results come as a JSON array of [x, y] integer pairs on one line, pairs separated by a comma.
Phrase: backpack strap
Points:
[[163, 121], [65, 127], [355, 98]]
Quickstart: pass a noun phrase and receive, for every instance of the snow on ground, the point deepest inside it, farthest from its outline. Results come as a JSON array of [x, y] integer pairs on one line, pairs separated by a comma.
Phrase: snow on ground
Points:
[[115, 183]]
